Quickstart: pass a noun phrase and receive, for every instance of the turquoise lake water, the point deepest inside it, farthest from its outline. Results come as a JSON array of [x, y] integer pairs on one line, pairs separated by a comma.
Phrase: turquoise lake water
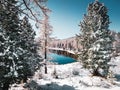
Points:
[[60, 59]]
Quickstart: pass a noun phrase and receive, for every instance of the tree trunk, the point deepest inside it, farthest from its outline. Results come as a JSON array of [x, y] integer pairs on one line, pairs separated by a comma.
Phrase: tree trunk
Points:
[[45, 69], [96, 73]]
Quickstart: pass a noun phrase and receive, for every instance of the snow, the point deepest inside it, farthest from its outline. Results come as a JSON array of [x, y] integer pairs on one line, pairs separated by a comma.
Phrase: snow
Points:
[[15, 55], [96, 88], [61, 49], [2, 54], [7, 50], [71, 77]]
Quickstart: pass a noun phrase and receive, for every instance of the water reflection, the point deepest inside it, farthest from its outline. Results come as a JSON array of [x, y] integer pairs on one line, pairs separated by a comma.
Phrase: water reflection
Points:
[[60, 59]]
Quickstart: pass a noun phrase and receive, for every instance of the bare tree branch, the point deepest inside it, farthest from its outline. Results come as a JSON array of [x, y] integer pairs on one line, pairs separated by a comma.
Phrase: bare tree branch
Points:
[[43, 8], [22, 10], [30, 11]]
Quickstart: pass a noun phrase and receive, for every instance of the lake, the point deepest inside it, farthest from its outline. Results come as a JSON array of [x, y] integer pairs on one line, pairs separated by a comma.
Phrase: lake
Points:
[[60, 59]]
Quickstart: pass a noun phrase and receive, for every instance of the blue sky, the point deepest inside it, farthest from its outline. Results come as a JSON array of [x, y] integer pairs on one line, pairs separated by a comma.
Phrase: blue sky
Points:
[[67, 14]]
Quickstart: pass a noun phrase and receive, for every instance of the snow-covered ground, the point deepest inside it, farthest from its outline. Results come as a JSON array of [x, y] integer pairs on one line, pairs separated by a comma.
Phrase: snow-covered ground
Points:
[[72, 77], [61, 49]]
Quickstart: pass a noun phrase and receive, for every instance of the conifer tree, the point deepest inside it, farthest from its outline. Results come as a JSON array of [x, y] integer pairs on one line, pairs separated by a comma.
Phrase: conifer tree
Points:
[[18, 51], [28, 43], [3, 50], [96, 39], [9, 24]]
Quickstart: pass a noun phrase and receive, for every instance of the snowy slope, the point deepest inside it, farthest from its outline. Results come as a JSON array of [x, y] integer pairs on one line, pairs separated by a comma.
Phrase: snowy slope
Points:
[[72, 77]]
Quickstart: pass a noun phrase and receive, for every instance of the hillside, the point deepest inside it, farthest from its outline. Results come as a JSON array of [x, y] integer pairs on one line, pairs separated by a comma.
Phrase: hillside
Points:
[[73, 44]]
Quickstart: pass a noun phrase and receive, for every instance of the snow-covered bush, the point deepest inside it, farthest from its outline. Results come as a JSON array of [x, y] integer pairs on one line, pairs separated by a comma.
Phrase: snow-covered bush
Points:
[[75, 72], [54, 74]]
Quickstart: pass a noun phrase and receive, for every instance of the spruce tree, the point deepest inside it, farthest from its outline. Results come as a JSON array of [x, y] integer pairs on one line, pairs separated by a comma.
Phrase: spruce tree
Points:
[[3, 50], [9, 25], [18, 51], [96, 40], [28, 43]]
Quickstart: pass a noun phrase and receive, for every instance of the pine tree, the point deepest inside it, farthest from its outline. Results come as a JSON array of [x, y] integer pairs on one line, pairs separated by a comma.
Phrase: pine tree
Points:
[[28, 43], [9, 25], [96, 40], [3, 50], [18, 51]]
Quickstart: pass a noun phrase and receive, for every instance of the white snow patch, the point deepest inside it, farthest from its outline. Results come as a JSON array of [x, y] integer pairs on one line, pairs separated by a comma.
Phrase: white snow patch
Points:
[[74, 77]]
